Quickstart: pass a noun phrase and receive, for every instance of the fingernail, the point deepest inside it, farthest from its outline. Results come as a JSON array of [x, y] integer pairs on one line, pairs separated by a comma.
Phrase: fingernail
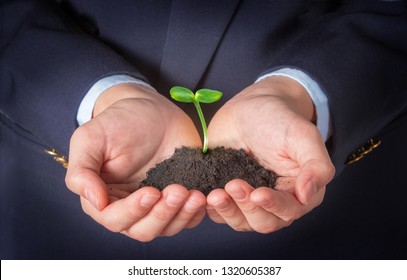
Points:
[[175, 199], [309, 191], [238, 194], [192, 205], [92, 198], [147, 200], [221, 205]]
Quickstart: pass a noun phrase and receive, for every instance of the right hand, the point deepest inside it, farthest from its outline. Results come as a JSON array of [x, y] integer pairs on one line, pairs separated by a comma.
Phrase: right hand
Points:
[[133, 128]]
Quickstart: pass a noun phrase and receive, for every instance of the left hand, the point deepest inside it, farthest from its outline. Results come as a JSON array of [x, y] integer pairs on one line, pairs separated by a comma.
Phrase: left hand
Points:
[[272, 121]]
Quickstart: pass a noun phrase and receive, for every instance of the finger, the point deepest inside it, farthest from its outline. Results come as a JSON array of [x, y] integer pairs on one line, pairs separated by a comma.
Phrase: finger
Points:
[[161, 215], [123, 213], [284, 204], [224, 205], [214, 215], [196, 220], [260, 220], [193, 206]]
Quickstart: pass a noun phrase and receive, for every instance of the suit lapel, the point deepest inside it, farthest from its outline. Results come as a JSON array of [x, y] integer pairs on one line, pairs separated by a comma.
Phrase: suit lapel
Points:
[[194, 32]]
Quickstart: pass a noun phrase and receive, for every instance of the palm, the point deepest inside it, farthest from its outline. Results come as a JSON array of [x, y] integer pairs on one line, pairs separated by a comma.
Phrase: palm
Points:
[[270, 134], [141, 139], [132, 136]]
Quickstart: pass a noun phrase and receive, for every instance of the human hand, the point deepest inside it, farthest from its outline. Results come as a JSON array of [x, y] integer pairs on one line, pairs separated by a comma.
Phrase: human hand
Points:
[[272, 121], [133, 128]]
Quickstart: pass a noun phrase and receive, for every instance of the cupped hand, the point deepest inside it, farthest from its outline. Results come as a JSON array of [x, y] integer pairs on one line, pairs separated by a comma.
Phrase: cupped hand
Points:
[[272, 121], [132, 129]]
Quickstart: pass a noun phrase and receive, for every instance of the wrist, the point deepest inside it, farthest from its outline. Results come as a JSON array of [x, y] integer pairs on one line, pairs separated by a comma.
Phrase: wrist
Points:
[[120, 92], [291, 92]]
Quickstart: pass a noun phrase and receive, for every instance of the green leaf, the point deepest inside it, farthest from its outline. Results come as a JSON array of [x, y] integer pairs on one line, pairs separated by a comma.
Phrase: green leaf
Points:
[[207, 95], [182, 94]]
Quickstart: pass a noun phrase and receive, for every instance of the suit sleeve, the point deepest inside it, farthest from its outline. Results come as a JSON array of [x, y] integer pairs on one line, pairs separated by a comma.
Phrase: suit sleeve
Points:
[[358, 55], [48, 65]]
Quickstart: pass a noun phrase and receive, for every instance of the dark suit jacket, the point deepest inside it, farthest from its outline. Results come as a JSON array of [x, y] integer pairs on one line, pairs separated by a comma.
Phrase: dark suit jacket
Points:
[[53, 53]]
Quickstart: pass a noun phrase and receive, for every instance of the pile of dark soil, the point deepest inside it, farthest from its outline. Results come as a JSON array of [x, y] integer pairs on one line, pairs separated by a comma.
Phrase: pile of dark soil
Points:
[[195, 170]]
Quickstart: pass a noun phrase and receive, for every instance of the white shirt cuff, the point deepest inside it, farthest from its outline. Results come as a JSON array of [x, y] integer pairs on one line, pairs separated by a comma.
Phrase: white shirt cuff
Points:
[[317, 95], [88, 102]]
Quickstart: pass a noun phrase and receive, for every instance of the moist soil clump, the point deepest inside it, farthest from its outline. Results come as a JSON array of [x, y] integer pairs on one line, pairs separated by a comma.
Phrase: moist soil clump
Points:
[[204, 172]]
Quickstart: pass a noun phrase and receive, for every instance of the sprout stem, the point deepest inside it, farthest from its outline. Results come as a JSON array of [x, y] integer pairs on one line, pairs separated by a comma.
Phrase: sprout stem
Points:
[[203, 95], [204, 127]]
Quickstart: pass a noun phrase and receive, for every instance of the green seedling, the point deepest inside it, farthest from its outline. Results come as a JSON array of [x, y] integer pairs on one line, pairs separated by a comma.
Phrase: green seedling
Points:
[[204, 95]]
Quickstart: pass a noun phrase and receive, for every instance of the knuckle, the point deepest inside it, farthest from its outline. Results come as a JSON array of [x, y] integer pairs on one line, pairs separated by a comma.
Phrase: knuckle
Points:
[[70, 180], [229, 215], [86, 210], [195, 220], [242, 228], [331, 169], [162, 216], [318, 202], [276, 208], [141, 236], [290, 218], [184, 216], [170, 232], [240, 223], [293, 218], [110, 223], [215, 217], [134, 213], [264, 228], [250, 208]]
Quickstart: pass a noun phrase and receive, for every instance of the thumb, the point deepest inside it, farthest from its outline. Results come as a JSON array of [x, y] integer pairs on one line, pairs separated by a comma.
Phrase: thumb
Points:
[[316, 168], [87, 183], [82, 178], [314, 175]]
